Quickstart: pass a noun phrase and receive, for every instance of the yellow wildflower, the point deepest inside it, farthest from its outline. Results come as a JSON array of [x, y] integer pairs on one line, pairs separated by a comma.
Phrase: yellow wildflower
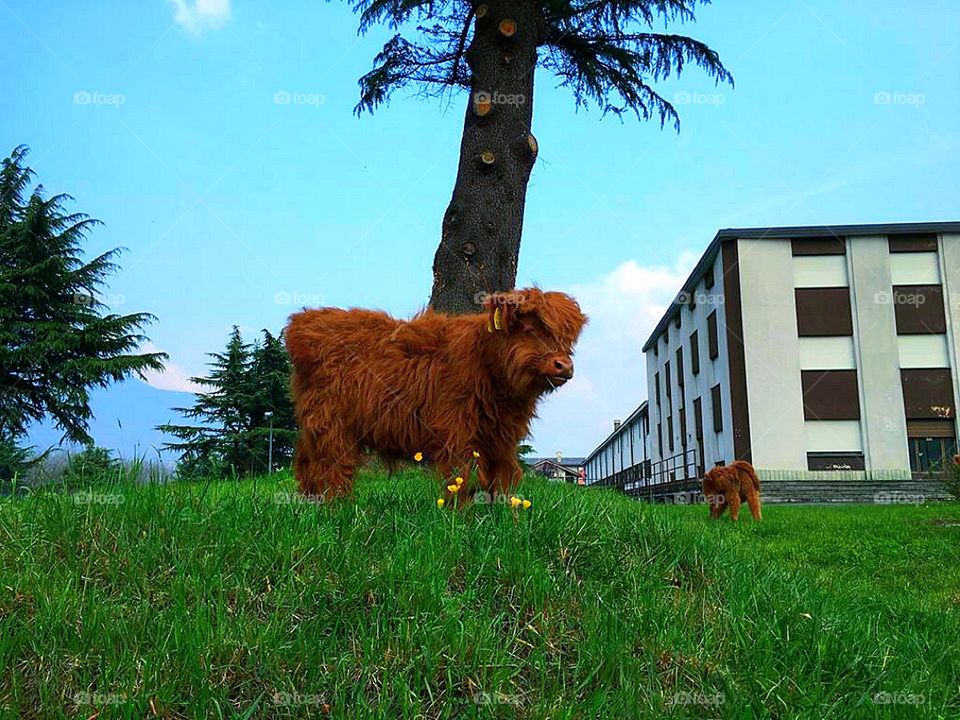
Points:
[[476, 454], [526, 504], [453, 488], [418, 457], [459, 480], [515, 501], [439, 502]]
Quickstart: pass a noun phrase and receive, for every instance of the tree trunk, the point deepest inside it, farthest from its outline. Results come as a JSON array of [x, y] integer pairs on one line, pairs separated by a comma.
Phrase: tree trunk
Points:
[[480, 241]]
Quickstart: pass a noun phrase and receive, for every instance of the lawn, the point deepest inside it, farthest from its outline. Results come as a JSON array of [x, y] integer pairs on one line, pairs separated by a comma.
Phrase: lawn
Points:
[[235, 600]]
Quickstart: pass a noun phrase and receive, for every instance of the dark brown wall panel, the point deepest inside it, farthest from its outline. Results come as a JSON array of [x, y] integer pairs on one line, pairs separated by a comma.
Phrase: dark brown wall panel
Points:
[[823, 311], [739, 406], [819, 246], [717, 408], [698, 420], [695, 353], [830, 395], [928, 394], [713, 342], [913, 243], [919, 309]]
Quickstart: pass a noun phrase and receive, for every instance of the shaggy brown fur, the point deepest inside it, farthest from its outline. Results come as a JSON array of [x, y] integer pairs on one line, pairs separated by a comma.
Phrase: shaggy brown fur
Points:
[[437, 384], [728, 485]]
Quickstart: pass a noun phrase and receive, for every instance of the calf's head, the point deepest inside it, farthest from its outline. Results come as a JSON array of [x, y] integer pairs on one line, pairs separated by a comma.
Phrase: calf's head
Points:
[[532, 334]]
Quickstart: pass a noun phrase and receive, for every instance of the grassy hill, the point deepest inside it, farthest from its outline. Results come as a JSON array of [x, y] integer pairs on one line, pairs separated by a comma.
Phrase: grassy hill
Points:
[[235, 600]]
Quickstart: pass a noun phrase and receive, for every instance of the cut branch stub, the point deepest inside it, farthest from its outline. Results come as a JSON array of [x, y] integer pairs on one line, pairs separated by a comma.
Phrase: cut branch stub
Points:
[[532, 145], [468, 249], [508, 27], [481, 11], [487, 158], [482, 103]]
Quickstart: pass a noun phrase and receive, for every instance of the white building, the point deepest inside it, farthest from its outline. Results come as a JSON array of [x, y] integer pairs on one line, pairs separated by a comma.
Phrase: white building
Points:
[[813, 352]]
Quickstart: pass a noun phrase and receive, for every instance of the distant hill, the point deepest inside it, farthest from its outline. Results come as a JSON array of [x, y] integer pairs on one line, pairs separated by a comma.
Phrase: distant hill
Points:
[[125, 418]]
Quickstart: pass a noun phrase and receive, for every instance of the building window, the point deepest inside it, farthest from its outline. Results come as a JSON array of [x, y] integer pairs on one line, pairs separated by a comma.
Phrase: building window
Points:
[[677, 320], [660, 439], [708, 279], [717, 409], [670, 432], [713, 341], [656, 387], [666, 378], [680, 367], [695, 353], [698, 420], [683, 427], [835, 461]]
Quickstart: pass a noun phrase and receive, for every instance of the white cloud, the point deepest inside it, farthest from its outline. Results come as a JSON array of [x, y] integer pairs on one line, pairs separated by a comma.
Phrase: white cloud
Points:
[[173, 377], [610, 381], [200, 15]]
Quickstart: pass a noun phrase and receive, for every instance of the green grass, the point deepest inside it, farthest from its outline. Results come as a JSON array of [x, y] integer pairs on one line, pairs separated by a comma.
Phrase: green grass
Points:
[[228, 601]]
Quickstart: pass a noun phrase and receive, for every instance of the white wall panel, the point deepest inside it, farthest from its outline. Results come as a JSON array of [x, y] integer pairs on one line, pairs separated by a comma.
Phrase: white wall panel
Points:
[[833, 436], [923, 351], [820, 271], [827, 353], [915, 268]]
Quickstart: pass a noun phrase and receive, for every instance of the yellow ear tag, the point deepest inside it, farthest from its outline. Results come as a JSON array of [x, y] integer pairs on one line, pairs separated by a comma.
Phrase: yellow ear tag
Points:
[[497, 321]]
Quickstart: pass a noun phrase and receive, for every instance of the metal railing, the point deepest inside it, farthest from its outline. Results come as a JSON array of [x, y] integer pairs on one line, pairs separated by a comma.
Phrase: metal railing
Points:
[[639, 479]]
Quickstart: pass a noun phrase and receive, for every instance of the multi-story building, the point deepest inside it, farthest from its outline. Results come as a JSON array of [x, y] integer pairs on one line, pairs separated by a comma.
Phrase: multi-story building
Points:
[[814, 352]]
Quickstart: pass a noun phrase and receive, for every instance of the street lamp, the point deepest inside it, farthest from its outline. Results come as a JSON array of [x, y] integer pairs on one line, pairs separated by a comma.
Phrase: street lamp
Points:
[[269, 414]]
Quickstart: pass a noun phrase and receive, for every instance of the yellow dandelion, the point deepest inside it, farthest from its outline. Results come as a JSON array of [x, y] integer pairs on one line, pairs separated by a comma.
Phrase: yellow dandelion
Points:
[[514, 501], [526, 504], [453, 488], [439, 502], [476, 454], [459, 480], [418, 457]]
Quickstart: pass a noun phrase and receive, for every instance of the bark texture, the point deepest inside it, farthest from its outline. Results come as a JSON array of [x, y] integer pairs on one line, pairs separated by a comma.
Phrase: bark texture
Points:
[[480, 241]]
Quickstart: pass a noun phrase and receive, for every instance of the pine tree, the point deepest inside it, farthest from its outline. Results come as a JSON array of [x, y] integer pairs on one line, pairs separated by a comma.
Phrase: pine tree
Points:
[[57, 339], [245, 382], [605, 51]]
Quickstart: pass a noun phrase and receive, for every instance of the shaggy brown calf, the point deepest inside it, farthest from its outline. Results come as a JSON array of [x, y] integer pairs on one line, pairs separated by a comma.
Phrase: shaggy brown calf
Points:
[[440, 385], [729, 485]]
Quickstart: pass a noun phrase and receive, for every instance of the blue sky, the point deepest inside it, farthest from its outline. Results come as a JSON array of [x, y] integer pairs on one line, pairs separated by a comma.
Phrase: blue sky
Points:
[[160, 118]]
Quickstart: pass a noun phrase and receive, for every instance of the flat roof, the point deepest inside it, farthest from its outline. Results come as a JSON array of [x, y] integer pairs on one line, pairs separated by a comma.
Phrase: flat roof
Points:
[[623, 425], [782, 233]]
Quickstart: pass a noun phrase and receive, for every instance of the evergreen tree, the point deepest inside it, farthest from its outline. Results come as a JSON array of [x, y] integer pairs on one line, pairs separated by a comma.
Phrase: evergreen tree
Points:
[[245, 382], [271, 371], [605, 51], [57, 339]]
